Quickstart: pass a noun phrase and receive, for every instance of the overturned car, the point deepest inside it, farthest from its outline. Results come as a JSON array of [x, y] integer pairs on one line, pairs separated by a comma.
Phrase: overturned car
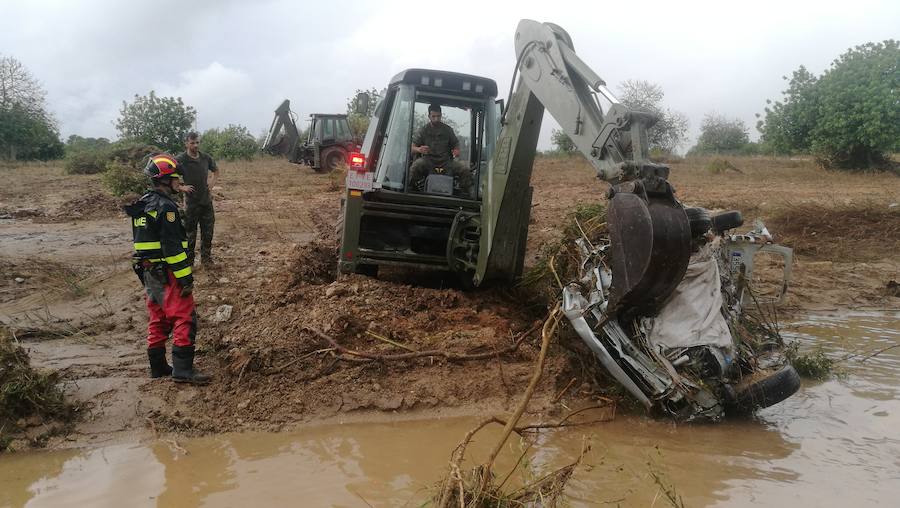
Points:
[[697, 355]]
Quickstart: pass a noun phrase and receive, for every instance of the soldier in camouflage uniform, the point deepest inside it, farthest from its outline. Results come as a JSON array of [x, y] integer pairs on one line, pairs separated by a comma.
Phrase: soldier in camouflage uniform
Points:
[[437, 144], [200, 175]]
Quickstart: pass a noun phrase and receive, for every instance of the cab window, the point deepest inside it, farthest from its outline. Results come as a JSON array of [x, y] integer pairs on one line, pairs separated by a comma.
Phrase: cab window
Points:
[[394, 158]]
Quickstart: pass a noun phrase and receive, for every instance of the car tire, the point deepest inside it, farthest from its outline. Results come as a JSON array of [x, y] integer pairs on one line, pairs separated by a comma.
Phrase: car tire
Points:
[[727, 220], [699, 220], [767, 390]]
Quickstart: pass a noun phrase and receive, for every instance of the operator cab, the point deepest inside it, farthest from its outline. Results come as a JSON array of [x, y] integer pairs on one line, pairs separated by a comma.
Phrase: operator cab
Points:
[[390, 219], [328, 129], [468, 108]]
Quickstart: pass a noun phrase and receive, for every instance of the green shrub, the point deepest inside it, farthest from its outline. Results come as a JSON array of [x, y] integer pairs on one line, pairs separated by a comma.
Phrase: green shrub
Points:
[[813, 365], [131, 153], [96, 160], [120, 179], [231, 143], [86, 162], [77, 144]]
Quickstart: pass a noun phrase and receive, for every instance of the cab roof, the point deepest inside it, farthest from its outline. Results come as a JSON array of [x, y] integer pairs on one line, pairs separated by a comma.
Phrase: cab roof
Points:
[[450, 82]]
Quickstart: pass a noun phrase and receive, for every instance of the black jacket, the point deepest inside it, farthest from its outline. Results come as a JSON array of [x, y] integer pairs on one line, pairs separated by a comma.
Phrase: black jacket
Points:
[[159, 235]]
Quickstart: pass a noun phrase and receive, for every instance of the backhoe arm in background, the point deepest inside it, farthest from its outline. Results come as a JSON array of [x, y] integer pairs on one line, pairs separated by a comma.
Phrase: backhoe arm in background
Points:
[[283, 136], [649, 230]]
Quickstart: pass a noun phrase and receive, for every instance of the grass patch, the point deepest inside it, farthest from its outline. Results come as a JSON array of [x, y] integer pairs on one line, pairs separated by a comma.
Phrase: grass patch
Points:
[[813, 365], [720, 166], [26, 392]]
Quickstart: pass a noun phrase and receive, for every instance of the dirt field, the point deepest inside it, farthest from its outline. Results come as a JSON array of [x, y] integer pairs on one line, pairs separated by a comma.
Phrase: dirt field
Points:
[[67, 291]]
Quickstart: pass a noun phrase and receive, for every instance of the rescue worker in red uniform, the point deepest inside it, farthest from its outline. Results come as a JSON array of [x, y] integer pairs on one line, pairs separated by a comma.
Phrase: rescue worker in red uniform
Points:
[[161, 262]]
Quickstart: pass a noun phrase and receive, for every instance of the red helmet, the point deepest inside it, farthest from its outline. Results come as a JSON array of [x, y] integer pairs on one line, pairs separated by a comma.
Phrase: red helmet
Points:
[[161, 165]]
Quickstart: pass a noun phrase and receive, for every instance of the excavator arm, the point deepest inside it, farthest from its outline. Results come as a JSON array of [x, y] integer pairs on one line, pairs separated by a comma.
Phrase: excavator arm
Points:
[[649, 230], [283, 137]]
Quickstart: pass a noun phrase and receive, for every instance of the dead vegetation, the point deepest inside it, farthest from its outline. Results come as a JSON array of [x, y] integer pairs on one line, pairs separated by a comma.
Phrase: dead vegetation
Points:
[[28, 398], [480, 486]]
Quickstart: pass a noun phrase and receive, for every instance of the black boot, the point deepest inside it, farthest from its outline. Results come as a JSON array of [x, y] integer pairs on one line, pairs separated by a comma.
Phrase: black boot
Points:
[[158, 365], [183, 366]]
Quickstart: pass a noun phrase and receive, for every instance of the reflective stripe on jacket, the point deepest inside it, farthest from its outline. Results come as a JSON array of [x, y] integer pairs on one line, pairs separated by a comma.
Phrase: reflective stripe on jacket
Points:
[[159, 235]]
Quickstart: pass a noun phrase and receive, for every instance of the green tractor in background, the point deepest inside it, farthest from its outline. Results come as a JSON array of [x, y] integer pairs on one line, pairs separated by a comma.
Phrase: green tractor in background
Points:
[[328, 144]]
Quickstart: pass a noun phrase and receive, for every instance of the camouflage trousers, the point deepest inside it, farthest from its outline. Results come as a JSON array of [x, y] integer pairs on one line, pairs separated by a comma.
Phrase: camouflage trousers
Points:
[[424, 166], [200, 215]]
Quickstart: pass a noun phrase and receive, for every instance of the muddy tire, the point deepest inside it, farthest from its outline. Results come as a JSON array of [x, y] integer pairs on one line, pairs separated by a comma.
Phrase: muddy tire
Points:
[[331, 159], [699, 220], [766, 390]]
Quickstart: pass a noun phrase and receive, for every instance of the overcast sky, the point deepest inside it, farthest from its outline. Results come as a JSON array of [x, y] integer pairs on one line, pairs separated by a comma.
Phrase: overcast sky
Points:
[[235, 61]]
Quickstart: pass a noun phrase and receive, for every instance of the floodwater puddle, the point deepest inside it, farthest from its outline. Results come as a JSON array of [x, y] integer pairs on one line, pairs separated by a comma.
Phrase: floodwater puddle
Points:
[[834, 443]]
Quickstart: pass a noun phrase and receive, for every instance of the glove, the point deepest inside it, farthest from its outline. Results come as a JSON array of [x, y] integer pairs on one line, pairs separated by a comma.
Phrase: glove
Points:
[[187, 289], [139, 271]]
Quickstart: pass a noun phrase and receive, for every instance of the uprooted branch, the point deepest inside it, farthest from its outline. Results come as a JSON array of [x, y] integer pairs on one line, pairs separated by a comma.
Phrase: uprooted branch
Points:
[[480, 489], [360, 356]]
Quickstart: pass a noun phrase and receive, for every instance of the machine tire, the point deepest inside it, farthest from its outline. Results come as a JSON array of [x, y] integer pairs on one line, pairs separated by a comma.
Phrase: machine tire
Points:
[[767, 390], [727, 220], [331, 159]]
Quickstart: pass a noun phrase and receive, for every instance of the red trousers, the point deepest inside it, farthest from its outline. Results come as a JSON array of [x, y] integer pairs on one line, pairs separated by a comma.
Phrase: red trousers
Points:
[[176, 315]]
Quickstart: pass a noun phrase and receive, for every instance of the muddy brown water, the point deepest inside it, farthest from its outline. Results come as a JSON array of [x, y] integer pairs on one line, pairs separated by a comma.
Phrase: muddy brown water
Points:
[[835, 443]]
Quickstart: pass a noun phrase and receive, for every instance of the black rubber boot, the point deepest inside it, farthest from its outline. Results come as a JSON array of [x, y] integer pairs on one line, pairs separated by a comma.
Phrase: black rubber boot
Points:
[[158, 365], [183, 366]]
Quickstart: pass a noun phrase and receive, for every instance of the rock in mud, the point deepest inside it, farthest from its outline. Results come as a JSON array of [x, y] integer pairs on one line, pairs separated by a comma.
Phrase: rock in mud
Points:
[[223, 313], [334, 289]]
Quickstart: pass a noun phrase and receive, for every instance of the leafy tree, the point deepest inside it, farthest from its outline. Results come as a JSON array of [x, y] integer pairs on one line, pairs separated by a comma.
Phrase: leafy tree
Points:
[[76, 143], [849, 117], [359, 120], [24, 137], [27, 130], [562, 141], [230, 143], [858, 114], [160, 121], [720, 134], [671, 130], [787, 125]]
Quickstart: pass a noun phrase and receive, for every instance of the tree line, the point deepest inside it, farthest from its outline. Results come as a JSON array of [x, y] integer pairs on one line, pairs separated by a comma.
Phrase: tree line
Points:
[[849, 117]]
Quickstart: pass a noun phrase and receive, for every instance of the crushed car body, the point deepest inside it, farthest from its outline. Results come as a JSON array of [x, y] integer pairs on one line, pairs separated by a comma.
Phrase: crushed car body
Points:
[[692, 358]]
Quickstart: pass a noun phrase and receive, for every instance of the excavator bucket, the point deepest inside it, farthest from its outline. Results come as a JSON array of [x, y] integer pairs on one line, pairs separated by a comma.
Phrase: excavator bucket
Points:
[[651, 246], [283, 135]]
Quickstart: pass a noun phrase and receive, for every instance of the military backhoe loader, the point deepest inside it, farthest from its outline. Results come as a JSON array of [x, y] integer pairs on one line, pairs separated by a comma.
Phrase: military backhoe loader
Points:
[[328, 142], [480, 233]]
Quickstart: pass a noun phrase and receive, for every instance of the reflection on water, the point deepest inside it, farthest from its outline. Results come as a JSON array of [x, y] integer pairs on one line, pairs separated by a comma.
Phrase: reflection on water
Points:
[[834, 443]]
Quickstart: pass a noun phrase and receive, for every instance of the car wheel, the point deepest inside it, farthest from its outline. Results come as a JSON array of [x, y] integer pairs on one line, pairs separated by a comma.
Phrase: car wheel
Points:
[[699, 220], [727, 220], [766, 388]]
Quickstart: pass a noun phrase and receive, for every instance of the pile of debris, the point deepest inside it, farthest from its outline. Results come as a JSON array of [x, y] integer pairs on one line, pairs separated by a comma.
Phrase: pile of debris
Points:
[[32, 405]]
